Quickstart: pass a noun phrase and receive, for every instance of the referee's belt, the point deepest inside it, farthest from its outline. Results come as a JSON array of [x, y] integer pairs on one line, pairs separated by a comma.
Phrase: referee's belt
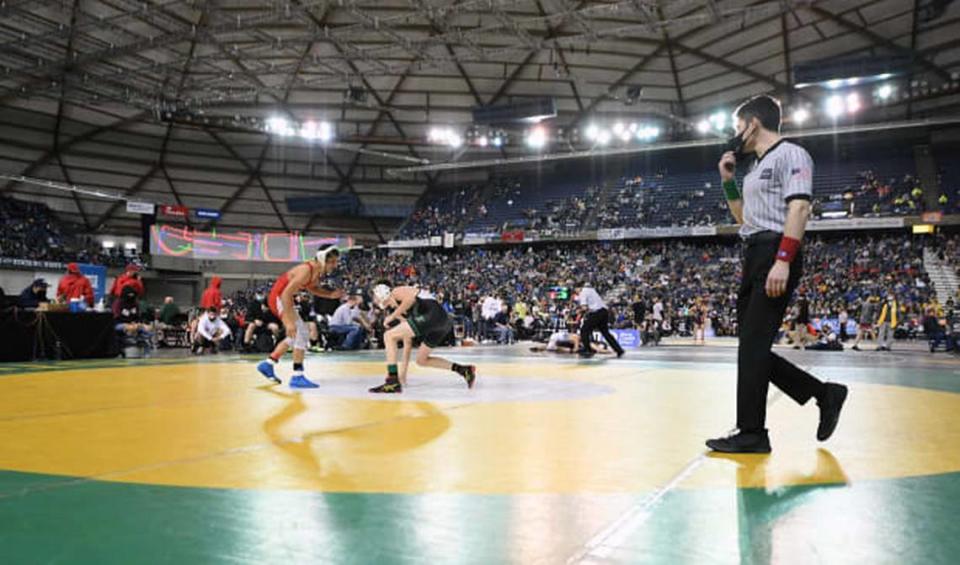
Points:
[[763, 237]]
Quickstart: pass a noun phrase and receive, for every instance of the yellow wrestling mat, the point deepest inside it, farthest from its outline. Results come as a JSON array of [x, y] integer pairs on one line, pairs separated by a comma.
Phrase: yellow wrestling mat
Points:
[[529, 427]]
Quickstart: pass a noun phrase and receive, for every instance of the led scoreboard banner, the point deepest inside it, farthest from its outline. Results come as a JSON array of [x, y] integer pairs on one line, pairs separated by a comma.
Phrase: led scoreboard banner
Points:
[[273, 247]]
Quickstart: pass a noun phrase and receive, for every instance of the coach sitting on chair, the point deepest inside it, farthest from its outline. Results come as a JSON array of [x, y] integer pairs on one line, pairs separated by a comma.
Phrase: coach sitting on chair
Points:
[[350, 323]]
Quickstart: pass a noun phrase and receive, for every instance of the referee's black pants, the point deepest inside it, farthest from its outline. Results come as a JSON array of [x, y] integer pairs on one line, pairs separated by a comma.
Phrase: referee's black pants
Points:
[[760, 317], [598, 320]]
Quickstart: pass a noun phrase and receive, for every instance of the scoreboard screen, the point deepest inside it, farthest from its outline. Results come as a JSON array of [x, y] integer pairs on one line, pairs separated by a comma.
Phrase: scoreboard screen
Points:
[[272, 247]]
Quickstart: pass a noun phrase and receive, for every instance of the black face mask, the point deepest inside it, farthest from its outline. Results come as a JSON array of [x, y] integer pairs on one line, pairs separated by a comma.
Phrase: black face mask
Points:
[[735, 144]]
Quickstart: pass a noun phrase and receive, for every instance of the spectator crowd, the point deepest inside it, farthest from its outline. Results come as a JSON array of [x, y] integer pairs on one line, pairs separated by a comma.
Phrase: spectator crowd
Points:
[[29, 230]]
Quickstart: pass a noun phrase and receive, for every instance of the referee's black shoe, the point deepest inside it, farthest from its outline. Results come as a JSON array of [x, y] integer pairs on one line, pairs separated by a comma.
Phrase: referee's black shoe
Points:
[[834, 395], [585, 353], [742, 442]]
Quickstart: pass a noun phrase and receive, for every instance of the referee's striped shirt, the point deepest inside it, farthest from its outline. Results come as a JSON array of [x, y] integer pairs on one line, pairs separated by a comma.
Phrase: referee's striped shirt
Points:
[[783, 174]]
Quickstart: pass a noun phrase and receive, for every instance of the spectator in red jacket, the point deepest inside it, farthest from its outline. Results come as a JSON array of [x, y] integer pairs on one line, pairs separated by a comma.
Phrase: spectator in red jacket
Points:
[[75, 285], [211, 296], [129, 278]]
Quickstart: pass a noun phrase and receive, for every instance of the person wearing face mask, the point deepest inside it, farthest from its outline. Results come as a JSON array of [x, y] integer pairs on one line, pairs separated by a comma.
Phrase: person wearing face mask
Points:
[[772, 211], [887, 323], [212, 333]]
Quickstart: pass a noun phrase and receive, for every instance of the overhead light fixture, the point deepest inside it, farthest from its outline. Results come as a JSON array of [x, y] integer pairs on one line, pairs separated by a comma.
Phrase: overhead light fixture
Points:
[[603, 137], [279, 126], [647, 133], [703, 126], [834, 106], [537, 137], [497, 141], [719, 120], [445, 136], [482, 141], [107, 244], [325, 131], [592, 132], [885, 92], [320, 131], [853, 103], [800, 115]]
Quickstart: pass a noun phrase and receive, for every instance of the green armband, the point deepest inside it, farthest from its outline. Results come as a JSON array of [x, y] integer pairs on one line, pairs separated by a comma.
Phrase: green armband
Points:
[[730, 190]]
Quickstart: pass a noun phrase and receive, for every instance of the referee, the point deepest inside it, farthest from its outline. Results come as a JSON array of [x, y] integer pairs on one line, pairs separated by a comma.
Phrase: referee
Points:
[[772, 212], [597, 318]]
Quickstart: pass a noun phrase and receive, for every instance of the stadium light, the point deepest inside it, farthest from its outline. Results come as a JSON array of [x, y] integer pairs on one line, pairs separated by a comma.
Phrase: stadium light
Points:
[[322, 131], [325, 131], [885, 92], [625, 135], [603, 137], [703, 126], [497, 141], [445, 136], [107, 244], [719, 120], [482, 141], [279, 126], [800, 115], [834, 106], [592, 132], [436, 135], [853, 103], [618, 128], [537, 137], [647, 133]]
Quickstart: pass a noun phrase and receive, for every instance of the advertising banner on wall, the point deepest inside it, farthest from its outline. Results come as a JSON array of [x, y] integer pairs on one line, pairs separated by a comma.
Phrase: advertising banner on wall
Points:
[[626, 338], [97, 275]]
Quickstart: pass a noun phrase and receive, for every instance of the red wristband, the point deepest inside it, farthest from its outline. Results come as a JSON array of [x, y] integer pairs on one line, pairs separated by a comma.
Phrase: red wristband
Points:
[[788, 249]]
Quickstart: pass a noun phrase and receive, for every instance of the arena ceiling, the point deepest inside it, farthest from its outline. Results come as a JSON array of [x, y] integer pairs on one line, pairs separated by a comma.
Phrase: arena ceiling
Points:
[[153, 100]]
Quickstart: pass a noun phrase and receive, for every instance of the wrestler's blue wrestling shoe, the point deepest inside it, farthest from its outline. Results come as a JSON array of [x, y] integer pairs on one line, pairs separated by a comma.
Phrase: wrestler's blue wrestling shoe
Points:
[[266, 369], [300, 381]]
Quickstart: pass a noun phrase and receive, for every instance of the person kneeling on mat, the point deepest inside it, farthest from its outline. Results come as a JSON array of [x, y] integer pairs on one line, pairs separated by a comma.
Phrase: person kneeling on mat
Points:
[[414, 317]]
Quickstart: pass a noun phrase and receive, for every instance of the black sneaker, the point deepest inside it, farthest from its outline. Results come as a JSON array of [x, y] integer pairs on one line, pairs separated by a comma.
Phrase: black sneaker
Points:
[[620, 353], [855, 348], [469, 375], [742, 442], [830, 405], [391, 386], [585, 354]]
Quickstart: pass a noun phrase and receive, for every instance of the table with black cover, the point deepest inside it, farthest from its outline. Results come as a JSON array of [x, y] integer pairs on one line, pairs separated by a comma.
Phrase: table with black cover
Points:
[[26, 335]]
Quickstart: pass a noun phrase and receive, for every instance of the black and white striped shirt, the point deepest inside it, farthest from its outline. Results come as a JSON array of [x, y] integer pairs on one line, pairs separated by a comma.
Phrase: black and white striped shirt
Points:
[[588, 297], [783, 174]]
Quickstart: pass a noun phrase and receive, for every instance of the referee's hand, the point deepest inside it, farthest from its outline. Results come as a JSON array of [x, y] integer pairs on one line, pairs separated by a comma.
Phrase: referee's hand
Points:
[[727, 166], [777, 279]]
